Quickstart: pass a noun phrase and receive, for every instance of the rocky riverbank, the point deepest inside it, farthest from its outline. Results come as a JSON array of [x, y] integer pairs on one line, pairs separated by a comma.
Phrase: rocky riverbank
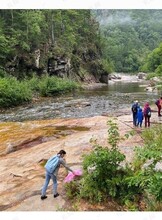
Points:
[[26, 145]]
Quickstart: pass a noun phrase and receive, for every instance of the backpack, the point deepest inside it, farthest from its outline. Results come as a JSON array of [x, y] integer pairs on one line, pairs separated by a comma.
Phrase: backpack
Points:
[[52, 163], [134, 108], [157, 102], [148, 112]]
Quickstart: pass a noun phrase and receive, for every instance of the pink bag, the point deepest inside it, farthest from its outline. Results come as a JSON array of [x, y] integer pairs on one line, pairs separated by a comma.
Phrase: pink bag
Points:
[[71, 176]]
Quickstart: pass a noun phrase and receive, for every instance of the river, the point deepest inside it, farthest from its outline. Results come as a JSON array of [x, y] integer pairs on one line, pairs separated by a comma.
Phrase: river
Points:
[[106, 99]]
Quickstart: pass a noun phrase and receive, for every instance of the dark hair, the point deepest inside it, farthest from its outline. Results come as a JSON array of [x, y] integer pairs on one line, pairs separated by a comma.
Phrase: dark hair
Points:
[[62, 152]]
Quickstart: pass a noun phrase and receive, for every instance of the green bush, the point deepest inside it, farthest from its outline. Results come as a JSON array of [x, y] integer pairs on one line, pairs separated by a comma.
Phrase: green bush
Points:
[[107, 66], [104, 174], [159, 88], [2, 73], [107, 175], [49, 86], [128, 184], [148, 157], [150, 75], [13, 92], [159, 70], [34, 83], [72, 189]]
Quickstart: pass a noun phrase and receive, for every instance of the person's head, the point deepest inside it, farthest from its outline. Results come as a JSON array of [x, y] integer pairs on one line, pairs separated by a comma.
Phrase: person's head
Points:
[[62, 153], [160, 97], [147, 104]]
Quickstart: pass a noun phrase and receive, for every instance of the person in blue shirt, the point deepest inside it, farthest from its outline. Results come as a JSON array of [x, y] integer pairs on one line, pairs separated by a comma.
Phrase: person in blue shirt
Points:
[[139, 117], [134, 109], [53, 175]]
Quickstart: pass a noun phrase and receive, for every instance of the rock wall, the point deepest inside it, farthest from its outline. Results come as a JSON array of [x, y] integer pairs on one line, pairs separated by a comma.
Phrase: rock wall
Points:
[[49, 60]]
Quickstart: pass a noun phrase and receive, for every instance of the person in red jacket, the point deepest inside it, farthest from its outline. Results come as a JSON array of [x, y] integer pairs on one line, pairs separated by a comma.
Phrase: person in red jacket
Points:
[[147, 114], [159, 106]]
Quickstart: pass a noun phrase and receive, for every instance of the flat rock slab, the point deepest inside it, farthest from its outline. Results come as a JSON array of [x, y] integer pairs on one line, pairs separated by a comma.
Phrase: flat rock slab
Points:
[[36, 204], [21, 172]]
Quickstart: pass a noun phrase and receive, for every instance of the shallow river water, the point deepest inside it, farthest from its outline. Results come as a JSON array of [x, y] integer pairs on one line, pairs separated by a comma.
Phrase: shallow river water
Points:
[[106, 99]]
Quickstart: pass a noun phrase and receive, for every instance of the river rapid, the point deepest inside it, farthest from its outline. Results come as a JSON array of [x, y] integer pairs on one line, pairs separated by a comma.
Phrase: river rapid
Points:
[[104, 99]]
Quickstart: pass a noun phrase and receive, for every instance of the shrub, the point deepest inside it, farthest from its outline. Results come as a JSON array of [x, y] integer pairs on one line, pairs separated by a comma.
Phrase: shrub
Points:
[[150, 161], [49, 86], [34, 83], [72, 189], [13, 92], [112, 177], [108, 173], [159, 70], [150, 75], [2, 73]]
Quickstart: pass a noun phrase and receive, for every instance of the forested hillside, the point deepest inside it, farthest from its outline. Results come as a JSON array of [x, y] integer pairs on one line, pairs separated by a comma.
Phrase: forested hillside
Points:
[[129, 36], [79, 44], [56, 42], [39, 48]]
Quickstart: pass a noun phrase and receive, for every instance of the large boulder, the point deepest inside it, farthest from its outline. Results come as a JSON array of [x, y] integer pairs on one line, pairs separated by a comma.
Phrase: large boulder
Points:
[[141, 75], [104, 78]]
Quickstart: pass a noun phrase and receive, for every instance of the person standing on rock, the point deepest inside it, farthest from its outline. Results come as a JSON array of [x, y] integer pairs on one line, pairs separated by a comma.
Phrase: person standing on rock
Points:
[[139, 117], [159, 105], [59, 157], [134, 109], [147, 114]]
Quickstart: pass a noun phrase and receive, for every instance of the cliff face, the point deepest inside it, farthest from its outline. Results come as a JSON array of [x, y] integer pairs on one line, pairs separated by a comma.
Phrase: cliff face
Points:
[[81, 65], [65, 43]]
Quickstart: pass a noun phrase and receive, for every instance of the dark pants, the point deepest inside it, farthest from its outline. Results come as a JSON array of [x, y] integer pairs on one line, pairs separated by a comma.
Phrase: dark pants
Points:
[[139, 123], [147, 121], [159, 109], [135, 119]]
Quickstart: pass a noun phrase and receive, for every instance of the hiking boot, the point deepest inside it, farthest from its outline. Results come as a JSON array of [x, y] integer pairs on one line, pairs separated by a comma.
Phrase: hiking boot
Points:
[[56, 195], [43, 197]]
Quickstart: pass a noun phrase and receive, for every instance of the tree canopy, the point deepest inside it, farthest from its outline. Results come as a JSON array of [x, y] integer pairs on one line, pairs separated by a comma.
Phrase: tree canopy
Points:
[[129, 36], [69, 34]]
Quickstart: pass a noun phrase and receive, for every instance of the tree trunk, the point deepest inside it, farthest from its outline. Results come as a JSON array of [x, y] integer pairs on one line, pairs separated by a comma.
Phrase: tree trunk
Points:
[[12, 18], [52, 30]]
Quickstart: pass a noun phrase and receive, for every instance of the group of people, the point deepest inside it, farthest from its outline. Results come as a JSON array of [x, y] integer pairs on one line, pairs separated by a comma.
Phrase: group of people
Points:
[[140, 114]]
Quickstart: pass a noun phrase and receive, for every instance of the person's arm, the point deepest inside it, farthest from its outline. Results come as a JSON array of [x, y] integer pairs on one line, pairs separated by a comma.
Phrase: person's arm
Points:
[[132, 108], [62, 161]]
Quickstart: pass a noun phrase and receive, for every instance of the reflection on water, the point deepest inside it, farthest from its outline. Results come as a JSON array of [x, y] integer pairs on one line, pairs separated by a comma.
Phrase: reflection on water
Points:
[[107, 99]]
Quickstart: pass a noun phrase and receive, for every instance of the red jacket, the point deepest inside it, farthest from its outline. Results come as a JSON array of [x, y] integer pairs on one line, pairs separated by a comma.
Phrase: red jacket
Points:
[[145, 108]]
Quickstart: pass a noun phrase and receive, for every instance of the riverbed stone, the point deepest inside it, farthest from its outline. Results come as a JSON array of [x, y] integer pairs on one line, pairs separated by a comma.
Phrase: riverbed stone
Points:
[[22, 172]]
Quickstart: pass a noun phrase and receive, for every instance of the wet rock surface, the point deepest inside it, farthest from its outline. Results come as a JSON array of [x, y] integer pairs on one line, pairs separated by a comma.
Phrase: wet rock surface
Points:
[[22, 172]]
